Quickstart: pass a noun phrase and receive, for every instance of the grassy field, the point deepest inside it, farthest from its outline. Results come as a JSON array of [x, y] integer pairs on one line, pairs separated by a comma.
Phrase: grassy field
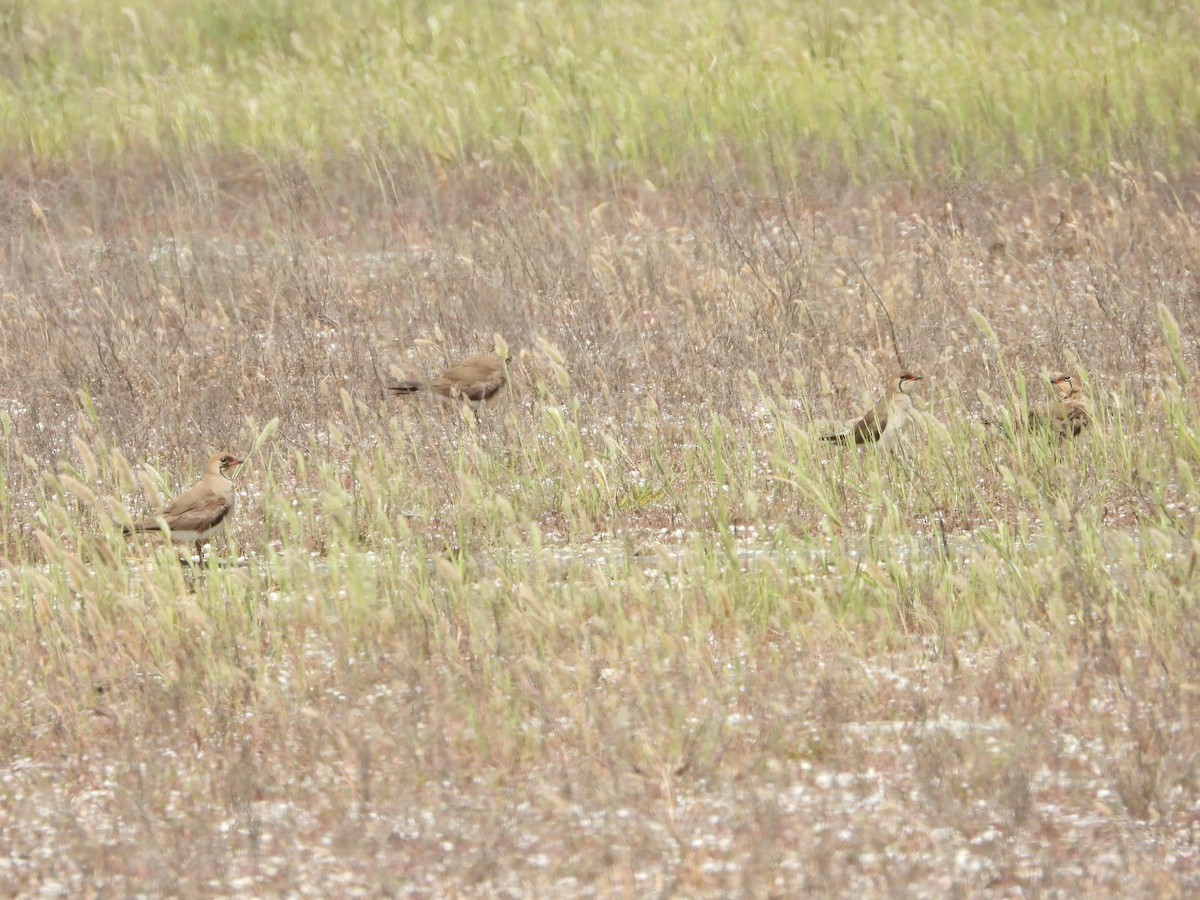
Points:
[[638, 631], [862, 89]]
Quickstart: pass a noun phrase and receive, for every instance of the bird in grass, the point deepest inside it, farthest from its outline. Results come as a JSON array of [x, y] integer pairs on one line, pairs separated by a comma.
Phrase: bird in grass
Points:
[[1068, 415], [476, 381], [200, 512], [882, 423]]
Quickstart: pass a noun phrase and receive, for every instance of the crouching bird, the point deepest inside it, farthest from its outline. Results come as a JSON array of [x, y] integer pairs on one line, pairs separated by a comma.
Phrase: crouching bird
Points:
[[476, 381], [1068, 415]]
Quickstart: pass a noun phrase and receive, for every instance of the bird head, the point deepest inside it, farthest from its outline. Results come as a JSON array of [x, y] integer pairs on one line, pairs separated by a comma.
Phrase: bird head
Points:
[[223, 463], [902, 379], [1066, 384]]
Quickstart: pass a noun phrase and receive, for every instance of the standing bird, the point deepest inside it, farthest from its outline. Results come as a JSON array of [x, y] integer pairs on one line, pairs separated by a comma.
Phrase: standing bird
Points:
[[199, 513], [1068, 415], [476, 381], [882, 422]]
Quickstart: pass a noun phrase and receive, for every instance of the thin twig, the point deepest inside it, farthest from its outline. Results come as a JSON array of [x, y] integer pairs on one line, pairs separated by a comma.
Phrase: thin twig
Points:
[[886, 314]]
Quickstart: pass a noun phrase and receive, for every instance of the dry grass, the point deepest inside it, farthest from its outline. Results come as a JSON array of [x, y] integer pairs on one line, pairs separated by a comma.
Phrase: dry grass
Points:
[[637, 632]]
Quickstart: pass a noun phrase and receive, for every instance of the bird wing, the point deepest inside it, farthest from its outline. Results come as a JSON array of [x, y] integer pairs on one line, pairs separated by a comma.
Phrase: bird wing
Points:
[[1075, 419], [865, 430], [199, 515], [476, 379], [871, 426], [199, 508], [1065, 418]]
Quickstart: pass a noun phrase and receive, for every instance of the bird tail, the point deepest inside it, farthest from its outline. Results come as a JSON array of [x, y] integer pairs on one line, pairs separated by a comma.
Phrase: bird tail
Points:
[[406, 387], [843, 439]]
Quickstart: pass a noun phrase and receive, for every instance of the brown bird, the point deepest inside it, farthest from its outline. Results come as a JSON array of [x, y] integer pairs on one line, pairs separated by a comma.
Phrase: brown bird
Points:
[[1068, 415], [198, 513], [1066, 238], [882, 422], [476, 381]]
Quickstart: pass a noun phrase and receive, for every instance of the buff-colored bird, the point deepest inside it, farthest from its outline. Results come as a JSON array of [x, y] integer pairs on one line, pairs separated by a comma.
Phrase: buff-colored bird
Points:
[[477, 381], [200, 512], [1068, 415]]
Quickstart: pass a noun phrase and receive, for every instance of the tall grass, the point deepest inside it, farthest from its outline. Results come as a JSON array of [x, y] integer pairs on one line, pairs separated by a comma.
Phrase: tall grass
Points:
[[544, 88]]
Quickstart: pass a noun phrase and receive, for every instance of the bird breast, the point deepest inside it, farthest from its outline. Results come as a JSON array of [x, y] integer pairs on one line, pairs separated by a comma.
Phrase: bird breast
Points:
[[898, 411]]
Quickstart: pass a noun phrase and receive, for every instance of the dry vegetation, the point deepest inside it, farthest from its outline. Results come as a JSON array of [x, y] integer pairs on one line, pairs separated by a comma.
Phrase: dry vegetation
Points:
[[637, 632]]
